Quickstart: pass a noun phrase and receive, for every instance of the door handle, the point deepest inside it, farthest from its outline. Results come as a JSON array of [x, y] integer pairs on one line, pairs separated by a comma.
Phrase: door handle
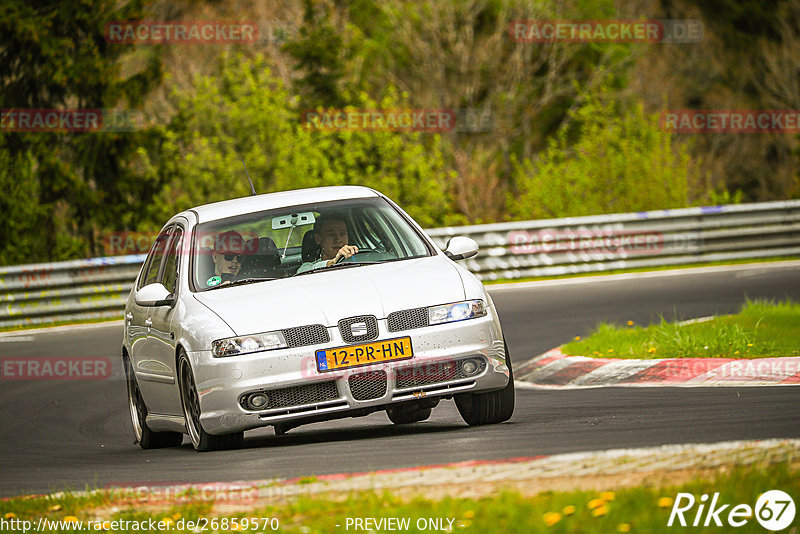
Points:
[[129, 316], [148, 322]]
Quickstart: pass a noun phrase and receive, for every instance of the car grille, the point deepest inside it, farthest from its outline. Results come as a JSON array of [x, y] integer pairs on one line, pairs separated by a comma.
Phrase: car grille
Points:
[[408, 319], [345, 328], [297, 395], [300, 336], [432, 373], [368, 386]]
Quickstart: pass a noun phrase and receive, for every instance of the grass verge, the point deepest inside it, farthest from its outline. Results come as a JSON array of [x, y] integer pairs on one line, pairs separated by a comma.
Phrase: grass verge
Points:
[[643, 509], [760, 330]]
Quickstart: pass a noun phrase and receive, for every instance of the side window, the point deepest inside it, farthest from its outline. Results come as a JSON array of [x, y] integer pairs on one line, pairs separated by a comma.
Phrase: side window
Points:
[[373, 236], [153, 261], [170, 276]]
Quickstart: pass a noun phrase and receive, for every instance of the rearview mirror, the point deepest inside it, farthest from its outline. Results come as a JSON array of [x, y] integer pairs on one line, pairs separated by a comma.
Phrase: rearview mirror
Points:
[[154, 295], [460, 248], [295, 219]]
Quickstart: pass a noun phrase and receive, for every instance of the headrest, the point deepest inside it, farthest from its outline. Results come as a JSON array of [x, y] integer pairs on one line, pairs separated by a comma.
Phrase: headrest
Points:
[[264, 251], [310, 249], [266, 246]]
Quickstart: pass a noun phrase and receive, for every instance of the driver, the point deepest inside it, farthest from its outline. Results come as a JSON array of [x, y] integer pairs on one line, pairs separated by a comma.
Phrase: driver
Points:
[[330, 233]]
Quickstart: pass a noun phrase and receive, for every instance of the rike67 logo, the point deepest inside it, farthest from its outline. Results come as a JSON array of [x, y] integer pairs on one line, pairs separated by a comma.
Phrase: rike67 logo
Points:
[[774, 510]]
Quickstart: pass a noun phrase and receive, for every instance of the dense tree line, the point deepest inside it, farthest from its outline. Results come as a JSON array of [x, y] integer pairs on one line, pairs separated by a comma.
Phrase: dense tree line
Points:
[[574, 127]]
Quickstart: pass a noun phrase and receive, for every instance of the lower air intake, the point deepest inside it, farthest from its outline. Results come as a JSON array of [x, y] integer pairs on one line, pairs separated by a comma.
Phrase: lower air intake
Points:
[[368, 386], [435, 373], [295, 396]]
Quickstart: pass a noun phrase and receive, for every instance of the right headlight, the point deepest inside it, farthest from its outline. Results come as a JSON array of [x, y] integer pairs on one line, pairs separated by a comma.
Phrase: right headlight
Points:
[[234, 346], [457, 311]]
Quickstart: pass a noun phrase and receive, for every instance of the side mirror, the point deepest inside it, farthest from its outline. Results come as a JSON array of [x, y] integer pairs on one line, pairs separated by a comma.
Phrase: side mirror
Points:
[[154, 295], [460, 248]]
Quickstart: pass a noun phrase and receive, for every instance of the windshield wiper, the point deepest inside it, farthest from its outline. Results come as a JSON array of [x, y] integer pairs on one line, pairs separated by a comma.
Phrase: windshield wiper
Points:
[[339, 265], [243, 281]]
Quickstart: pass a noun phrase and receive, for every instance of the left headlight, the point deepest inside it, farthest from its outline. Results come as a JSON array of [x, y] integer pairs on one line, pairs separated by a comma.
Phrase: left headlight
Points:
[[458, 311], [234, 346]]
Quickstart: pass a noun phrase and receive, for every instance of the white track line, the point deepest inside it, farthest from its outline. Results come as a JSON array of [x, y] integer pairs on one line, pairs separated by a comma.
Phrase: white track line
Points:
[[593, 279], [63, 328]]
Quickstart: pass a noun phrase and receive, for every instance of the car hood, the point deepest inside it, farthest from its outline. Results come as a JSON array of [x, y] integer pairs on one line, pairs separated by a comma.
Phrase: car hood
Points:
[[326, 297]]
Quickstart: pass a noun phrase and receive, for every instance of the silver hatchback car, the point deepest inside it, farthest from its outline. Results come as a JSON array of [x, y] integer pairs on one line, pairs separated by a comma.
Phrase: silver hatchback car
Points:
[[304, 306]]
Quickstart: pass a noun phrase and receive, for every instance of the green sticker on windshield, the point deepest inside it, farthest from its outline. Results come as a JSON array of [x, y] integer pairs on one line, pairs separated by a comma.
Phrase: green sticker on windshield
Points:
[[214, 281]]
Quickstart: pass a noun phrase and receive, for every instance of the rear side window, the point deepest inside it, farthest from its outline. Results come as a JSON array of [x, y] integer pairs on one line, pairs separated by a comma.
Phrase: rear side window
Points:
[[154, 259], [170, 276]]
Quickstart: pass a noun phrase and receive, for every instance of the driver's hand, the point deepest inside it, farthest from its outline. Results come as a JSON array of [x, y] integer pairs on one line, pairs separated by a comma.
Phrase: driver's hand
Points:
[[344, 253]]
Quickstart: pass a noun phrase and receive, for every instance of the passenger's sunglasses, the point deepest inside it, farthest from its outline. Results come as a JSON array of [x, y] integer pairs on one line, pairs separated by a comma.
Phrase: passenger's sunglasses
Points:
[[231, 257]]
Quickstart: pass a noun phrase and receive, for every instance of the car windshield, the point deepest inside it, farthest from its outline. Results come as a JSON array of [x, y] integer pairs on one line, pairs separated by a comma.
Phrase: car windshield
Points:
[[300, 240]]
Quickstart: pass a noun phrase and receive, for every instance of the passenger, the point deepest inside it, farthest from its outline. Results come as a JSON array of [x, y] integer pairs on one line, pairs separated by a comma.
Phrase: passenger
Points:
[[228, 248], [330, 234]]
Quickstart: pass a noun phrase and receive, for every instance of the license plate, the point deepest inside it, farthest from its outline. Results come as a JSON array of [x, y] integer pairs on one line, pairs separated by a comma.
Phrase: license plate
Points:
[[364, 354]]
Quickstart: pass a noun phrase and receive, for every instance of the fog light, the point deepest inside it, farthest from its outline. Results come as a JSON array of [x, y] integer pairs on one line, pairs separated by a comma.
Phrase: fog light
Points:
[[470, 367], [258, 400]]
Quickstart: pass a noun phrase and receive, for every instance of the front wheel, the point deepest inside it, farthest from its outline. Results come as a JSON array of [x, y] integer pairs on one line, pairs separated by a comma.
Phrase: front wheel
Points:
[[201, 440], [488, 408], [407, 415], [146, 438]]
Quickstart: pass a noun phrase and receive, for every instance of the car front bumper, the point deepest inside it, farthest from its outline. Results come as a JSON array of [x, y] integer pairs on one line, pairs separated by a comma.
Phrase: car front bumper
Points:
[[297, 390]]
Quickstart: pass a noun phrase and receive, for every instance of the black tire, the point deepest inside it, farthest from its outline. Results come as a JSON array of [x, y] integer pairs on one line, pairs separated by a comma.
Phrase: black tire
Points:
[[201, 440], [406, 416], [488, 408], [146, 438]]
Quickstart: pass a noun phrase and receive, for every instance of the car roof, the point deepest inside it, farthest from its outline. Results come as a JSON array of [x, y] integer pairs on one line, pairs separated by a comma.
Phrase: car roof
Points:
[[251, 204]]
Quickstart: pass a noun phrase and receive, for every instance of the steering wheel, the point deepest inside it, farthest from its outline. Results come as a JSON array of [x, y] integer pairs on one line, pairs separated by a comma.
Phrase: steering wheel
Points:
[[351, 258]]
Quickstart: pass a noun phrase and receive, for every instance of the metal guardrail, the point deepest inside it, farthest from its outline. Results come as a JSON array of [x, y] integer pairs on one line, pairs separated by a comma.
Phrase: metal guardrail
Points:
[[631, 240], [97, 288], [66, 291]]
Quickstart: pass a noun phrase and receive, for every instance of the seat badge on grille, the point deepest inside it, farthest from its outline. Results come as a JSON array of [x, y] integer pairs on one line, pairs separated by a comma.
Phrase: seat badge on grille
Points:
[[359, 329]]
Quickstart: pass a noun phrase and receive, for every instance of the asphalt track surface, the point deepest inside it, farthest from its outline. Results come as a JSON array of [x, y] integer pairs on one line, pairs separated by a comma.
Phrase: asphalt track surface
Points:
[[58, 435]]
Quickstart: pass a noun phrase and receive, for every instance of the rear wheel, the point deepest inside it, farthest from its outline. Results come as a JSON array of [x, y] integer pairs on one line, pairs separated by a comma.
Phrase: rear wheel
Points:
[[146, 438], [488, 408], [201, 440]]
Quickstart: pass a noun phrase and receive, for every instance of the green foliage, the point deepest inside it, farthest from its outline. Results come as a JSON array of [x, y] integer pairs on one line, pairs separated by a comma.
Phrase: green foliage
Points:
[[620, 161], [721, 197], [19, 206], [559, 145], [54, 55], [244, 111], [52, 51], [740, 22], [319, 53]]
